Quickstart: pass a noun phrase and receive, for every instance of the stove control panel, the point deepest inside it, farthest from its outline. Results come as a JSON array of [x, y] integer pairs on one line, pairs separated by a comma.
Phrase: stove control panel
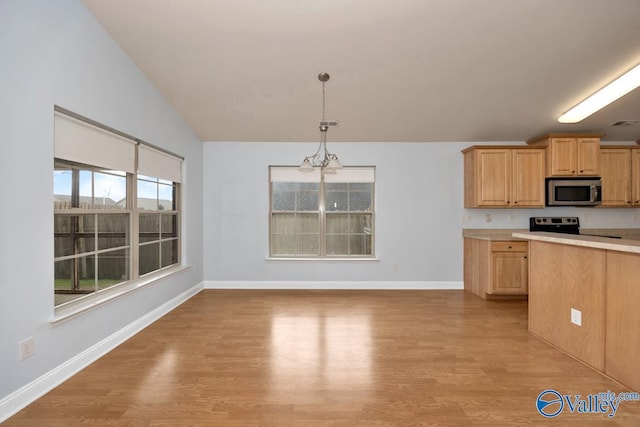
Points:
[[563, 220], [562, 224]]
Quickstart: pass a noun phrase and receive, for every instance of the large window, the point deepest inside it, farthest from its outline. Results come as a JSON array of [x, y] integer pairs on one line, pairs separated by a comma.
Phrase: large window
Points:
[[322, 214], [112, 224]]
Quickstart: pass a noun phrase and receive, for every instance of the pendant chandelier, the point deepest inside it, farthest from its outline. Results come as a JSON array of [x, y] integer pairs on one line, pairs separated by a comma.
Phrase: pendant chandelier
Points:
[[322, 158]]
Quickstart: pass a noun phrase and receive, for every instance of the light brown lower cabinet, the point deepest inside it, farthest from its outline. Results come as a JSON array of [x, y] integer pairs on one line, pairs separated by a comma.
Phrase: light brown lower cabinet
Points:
[[565, 277], [603, 286], [495, 268], [622, 345]]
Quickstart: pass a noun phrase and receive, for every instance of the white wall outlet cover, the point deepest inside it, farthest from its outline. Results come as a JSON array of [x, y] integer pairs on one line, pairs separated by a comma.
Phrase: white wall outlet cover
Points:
[[576, 317], [26, 348]]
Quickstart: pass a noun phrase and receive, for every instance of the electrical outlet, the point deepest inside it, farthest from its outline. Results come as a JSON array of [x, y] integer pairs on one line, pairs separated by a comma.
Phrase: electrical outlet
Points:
[[26, 348], [396, 267], [576, 317], [487, 218]]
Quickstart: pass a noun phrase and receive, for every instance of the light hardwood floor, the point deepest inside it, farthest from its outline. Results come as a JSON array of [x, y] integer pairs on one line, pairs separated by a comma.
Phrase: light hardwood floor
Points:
[[328, 358]]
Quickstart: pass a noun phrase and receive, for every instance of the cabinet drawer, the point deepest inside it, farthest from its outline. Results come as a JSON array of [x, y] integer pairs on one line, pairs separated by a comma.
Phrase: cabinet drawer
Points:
[[509, 246]]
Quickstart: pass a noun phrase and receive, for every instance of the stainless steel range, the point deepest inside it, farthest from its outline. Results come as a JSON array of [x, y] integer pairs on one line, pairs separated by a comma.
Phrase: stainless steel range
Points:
[[561, 224]]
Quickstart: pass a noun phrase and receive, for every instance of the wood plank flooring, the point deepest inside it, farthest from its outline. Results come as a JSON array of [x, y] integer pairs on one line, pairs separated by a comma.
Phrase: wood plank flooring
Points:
[[328, 358]]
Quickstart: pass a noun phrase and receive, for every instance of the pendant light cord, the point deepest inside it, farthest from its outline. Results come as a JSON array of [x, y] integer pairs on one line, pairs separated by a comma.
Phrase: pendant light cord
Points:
[[323, 101]]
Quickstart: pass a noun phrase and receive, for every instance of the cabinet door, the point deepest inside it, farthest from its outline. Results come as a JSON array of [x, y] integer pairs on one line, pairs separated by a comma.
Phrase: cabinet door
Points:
[[509, 268], [510, 273], [528, 167], [635, 176], [588, 156], [615, 169], [562, 160], [493, 176]]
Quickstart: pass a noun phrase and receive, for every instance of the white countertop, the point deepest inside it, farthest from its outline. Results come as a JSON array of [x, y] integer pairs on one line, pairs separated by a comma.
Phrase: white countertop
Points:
[[622, 245]]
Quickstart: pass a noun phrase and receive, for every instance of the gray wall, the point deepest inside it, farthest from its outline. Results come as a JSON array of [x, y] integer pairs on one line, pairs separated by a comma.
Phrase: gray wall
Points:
[[54, 52], [415, 229], [419, 214]]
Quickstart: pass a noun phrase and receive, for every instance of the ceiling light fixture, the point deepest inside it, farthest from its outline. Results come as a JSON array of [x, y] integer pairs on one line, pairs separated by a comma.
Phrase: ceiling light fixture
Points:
[[605, 96], [322, 158]]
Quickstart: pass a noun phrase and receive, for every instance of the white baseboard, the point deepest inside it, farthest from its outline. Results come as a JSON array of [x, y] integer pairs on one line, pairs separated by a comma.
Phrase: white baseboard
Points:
[[22, 397], [406, 285]]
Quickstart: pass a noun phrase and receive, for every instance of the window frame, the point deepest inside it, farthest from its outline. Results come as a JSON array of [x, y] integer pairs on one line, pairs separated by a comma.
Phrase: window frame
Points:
[[98, 295], [133, 244], [349, 214], [323, 213], [69, 210], [175, 212]]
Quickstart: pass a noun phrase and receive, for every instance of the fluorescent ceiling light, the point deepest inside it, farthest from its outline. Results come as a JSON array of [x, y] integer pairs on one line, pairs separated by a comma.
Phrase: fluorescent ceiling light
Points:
[[605, 96]]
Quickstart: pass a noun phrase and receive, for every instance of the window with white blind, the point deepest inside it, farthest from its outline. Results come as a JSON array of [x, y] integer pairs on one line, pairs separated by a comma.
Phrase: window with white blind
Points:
[[322, 214], [116, 209]]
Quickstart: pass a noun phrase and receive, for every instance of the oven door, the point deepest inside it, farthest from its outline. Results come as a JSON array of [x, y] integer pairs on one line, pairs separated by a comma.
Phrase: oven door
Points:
[[574, 192]]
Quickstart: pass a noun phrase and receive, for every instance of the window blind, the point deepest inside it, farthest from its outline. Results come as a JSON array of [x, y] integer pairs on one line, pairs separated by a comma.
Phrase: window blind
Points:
[[346, 174], [293, 174], [351, 174], [158, 164], [81, 142]]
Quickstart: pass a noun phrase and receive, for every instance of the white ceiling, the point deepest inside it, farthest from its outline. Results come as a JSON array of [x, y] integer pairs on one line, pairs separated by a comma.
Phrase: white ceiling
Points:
[[401, 70]]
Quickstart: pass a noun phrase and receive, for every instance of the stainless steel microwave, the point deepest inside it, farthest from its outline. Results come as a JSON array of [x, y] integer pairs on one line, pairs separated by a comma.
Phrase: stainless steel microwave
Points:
[[581, 191]]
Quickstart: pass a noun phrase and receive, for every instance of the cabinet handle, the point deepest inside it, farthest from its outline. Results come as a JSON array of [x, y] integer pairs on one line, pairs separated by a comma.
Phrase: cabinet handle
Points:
[[515, 203], [525, 257], [509, 247], [581, 171]]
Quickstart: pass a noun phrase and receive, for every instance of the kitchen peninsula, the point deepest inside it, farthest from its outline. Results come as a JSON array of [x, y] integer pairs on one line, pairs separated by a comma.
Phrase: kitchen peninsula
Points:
[[584, 296]]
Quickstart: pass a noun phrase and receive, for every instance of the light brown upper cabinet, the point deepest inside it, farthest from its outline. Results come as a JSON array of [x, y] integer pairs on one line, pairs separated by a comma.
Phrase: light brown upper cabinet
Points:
[[504, 177], [571, 154], [620, 171]]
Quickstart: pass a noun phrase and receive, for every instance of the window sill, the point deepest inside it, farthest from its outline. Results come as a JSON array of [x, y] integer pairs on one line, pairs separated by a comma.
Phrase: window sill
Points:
[[92, 301], [368, 259]]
